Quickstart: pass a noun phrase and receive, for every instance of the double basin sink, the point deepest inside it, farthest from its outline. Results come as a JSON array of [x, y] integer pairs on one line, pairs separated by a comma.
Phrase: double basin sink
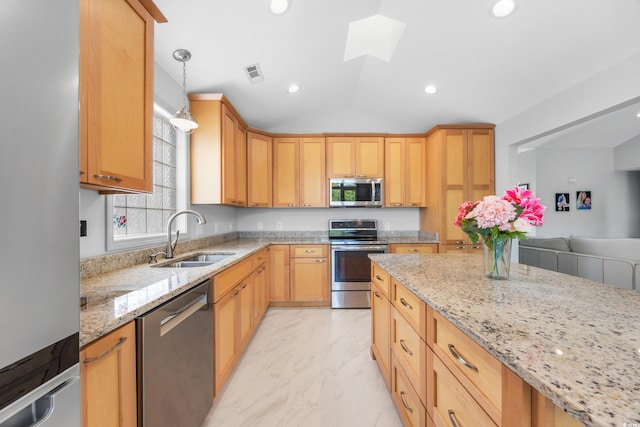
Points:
[[198, 260]]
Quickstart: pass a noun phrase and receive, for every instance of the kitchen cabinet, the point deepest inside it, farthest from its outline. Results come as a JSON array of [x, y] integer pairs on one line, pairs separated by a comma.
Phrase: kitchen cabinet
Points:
[[116, 95], [355, 156], [259, 170], [546, 414], [309, 274], [460, 161], [108, 375], [299, 178], [218, 152], [261, 289], [413, 248], [381, 321], [234, 314], [405, 172], [411, 410], [279, 273], [462, 248]]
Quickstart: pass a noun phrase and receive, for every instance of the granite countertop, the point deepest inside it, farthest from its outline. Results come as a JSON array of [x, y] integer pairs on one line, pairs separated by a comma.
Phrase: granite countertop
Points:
[[574, 340]]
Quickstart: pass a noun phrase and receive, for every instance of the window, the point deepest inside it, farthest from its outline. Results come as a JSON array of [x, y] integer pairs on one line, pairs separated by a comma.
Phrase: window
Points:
[[138, 219]]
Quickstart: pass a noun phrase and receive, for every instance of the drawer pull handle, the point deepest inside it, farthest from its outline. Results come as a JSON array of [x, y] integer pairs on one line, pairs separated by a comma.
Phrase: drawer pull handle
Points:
[[405, 348], [308, 251], [405, 303], [377, 295], [253, 204], [119, 344], [404, 402], [414, 250], [319, 260], [460, 359], [452, 418], [379, 278], [110, 177]]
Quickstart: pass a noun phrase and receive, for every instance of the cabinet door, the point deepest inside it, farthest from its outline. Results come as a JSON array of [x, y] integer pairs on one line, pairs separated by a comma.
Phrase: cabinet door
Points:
[[260, 293], [259, 170], [380, 336], [108, 375], [341, 157], [116, 95], [395, 172], [403, 248], [313, 182], [279, 273], [369, 157], [225, 337], [453, 249], [454, 185], [285, 172], [245, 311], [309, 279], [480, 152], [415, 172], [240, 162], [228, 147]]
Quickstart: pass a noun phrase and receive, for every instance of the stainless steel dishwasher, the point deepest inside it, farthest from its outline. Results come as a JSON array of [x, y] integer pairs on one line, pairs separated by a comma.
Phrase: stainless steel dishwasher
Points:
[[175, 361]]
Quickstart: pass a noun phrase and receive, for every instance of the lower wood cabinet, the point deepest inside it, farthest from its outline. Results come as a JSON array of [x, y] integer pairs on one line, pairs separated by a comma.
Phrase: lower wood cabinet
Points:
[[302, 277], [380, 332], [411, 410], [461, 249], [240, 299], [108, 376]]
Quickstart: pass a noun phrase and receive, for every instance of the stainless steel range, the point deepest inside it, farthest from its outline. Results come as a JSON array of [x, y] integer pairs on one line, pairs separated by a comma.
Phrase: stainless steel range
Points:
[[352, 240]]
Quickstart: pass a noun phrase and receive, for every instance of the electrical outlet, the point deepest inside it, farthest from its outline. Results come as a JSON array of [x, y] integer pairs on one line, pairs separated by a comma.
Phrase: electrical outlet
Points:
[[278, 225], [260, 225], [83, 228], [387, 226], [230, 226]]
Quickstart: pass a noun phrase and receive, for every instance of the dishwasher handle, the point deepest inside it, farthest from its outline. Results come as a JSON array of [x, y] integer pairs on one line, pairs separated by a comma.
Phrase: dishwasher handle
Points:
[[179, 316]]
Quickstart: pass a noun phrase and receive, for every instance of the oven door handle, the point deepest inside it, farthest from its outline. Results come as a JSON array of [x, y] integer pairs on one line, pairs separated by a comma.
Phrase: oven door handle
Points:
[[357, 248]]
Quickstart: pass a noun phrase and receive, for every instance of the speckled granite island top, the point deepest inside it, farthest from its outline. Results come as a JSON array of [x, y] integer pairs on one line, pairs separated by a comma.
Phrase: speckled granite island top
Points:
[[574, 340]]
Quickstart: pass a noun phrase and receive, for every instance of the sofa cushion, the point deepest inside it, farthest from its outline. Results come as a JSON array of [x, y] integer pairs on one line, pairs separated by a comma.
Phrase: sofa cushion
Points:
[[608, 248], [553, 243]]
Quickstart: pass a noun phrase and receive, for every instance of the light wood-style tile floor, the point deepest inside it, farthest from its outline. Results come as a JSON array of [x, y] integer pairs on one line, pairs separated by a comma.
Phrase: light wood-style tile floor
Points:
[[307, 367]]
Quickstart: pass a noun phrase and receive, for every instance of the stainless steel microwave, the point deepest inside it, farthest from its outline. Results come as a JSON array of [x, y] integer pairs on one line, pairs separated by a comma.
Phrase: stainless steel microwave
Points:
[[355, 192]]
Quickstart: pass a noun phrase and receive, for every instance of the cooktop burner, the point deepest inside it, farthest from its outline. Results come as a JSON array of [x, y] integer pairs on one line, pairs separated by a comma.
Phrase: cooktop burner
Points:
[[354, 230]]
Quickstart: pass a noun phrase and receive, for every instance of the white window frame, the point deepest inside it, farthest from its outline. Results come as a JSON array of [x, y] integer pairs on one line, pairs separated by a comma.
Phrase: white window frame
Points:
[[182, 202]]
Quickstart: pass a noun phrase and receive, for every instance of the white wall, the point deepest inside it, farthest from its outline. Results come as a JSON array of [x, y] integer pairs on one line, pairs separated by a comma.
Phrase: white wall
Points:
[[399, 219], [614, 210], [627, 156]]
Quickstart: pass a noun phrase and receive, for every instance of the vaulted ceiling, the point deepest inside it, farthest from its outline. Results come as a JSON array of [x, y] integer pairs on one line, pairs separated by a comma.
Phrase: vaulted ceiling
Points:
[[485, 69]]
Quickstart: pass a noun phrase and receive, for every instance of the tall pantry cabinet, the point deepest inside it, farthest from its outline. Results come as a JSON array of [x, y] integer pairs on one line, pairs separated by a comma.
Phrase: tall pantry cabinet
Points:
[[460, 161]]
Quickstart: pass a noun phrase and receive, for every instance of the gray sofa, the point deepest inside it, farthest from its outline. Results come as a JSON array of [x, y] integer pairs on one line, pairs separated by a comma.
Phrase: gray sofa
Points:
[[612, 261]]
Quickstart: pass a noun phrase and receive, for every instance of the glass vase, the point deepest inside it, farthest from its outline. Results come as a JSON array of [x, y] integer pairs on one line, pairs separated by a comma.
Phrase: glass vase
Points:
[[497, 258]]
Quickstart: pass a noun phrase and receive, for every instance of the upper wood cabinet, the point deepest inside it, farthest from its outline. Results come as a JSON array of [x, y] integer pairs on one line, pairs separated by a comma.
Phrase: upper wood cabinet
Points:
[[116, 94], [259, 170], [460, 160], [405, 172], [218, 152], [299, 178], [355, 157]]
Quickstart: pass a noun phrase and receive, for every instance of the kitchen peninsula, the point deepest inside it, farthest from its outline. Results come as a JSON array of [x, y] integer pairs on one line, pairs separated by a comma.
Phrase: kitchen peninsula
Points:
[[575, 341]]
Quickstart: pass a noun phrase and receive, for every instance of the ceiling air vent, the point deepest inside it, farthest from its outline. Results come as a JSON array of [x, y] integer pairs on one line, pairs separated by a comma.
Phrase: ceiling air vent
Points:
[[254, 73]]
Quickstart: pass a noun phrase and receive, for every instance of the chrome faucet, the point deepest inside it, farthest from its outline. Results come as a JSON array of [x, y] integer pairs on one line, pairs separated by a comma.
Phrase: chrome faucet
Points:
[[170, 245]]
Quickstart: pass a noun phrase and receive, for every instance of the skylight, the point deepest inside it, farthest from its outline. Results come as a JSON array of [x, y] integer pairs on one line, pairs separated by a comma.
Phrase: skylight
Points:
[[375, 36]]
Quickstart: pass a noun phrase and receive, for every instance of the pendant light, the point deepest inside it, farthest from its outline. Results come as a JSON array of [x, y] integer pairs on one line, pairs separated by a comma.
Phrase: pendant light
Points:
[[183, 120]]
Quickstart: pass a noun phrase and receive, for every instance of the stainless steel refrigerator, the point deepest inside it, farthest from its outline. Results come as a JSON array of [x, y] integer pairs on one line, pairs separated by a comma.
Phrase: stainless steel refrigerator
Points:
[[39, 224]]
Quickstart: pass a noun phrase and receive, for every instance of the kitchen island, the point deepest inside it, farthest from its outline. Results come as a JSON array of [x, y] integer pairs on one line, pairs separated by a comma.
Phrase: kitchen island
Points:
[[575, 341]]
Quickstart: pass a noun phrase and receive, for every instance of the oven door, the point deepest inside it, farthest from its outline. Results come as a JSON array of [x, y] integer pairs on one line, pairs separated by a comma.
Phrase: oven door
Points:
[[351, 266]]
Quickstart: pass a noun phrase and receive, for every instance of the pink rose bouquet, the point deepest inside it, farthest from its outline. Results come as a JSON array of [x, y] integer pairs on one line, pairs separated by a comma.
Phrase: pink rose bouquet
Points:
[[500, 218]]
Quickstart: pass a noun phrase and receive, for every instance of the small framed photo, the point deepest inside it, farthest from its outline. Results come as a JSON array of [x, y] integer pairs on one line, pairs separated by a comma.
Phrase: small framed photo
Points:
[[523, 186], [562, 202], [583, 200]]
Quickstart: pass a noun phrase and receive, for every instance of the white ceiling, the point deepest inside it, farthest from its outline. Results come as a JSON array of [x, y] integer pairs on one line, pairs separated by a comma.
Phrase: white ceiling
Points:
[[486, 69]]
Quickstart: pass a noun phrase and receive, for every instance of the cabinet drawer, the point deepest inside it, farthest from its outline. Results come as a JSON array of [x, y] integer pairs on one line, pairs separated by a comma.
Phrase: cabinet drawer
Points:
[[405, 398], [381, 279], [258, 258], [452, 404], [308, 251], [403, 248], [226, 280], [412, 308], [476, 369], [411, 353]]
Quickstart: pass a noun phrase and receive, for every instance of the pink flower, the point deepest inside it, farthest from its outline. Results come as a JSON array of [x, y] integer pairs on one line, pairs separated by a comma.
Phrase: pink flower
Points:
[[463, 210], [492, 211]]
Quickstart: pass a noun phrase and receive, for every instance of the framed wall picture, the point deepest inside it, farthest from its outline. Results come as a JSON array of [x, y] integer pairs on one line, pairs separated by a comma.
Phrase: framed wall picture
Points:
[[583, 200], [562, 202]]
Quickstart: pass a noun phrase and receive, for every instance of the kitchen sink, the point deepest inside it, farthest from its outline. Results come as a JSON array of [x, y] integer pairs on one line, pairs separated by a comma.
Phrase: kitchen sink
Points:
[[198, 260]]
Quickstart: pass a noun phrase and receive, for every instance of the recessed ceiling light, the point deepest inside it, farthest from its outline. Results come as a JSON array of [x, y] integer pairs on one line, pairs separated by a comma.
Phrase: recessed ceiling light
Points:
[[294, 88], [638, 115], [430, 89], [503, 8], [278, 7]]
